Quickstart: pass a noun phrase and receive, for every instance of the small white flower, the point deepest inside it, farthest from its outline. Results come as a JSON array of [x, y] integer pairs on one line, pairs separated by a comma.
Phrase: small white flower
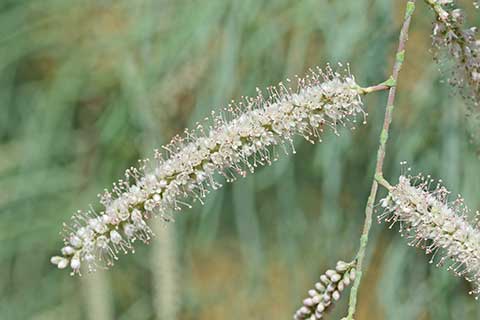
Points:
[[60, 262], [68, 250], [75, 263], [115, 236], [75, 241], [129, 230]]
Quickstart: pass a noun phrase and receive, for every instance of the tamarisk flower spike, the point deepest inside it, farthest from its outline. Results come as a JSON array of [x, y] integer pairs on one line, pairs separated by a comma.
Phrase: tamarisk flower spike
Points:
[[245, 136], [457, 43], [326, 291], [438, 226], [452, 39]]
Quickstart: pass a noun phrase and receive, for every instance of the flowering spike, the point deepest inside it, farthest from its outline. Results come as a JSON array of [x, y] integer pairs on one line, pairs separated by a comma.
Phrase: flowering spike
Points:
[[431, 222], [453, 41], [189, 166]]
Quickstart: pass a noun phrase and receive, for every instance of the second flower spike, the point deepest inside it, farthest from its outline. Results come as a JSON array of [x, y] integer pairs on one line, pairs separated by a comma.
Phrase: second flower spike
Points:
[[430, 221]]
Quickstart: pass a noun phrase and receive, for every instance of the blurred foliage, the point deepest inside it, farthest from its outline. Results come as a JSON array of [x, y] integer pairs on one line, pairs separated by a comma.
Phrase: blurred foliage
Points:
[[87, 87]]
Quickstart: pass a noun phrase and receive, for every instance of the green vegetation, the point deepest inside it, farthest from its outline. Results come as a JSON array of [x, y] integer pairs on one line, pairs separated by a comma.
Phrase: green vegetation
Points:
[[88, 87]]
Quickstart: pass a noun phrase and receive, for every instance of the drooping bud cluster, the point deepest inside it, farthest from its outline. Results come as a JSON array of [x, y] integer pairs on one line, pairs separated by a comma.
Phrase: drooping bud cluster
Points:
[[328, 290], [438, 226], [246, 135], [457, 45]]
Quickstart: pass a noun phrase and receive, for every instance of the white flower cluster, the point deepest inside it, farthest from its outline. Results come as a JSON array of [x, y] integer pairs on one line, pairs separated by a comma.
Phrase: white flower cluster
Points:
[[451, 36], [453, 41], [326, 291], [190, 165], [431, 222]]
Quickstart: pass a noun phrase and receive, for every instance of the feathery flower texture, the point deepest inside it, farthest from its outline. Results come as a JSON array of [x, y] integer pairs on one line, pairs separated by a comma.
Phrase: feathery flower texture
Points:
[[450, 36], [189, 166], [431, 222], [456, 45], [328, 290]]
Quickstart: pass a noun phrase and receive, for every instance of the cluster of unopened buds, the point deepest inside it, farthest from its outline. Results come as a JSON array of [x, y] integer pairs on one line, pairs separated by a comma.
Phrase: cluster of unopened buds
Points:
[[189, 167], [326, 291], [430, 221]]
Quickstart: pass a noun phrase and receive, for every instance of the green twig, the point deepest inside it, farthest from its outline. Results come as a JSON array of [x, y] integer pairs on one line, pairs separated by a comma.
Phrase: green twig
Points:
[[380, 156], [386, 85]]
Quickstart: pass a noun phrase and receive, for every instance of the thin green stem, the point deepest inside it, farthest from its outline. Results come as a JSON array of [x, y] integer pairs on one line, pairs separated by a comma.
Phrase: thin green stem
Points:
[[380, 157], [376, 88], [385, 85]]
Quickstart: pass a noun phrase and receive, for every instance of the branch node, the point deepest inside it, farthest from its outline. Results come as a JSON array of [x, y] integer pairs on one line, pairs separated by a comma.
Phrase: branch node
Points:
[[390, 82]]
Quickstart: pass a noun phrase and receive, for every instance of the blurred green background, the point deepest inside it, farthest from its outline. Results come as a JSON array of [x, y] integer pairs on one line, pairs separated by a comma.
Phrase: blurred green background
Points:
[[87, 87]]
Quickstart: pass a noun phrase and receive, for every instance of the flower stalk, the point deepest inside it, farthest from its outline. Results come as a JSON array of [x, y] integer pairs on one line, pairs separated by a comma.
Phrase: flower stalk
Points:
[[400, 55]]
